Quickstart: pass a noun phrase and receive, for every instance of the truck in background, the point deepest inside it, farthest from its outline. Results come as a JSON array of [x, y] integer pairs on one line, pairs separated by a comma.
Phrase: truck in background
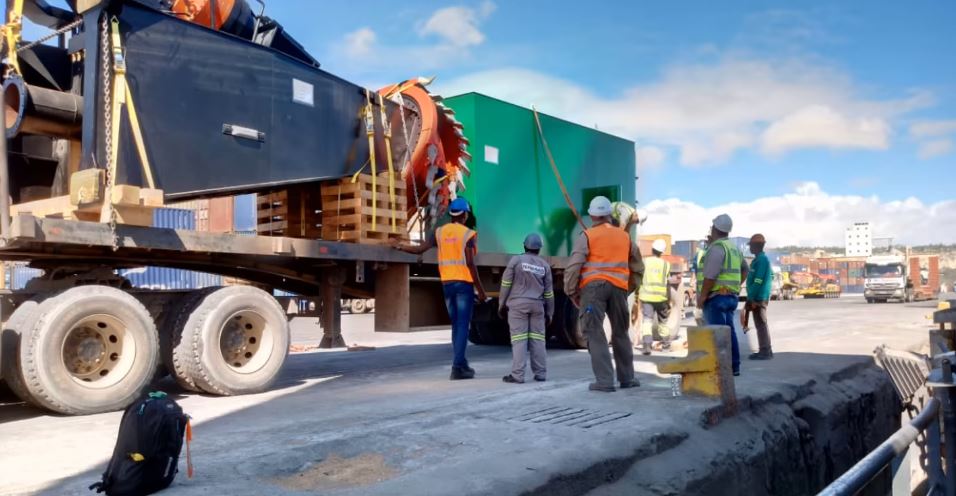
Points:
[[902, 277]]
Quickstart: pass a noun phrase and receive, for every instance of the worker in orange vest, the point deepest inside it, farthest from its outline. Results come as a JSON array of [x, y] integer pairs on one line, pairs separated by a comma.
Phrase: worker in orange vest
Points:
[[604, 267], [457, 248]]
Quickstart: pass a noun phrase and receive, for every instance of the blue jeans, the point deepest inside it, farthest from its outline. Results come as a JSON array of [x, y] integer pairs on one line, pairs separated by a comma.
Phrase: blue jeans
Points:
[[719, 310], [460, 300]]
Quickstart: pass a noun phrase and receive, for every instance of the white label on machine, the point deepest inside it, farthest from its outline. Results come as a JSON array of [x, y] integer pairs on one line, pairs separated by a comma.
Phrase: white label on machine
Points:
[[491, 155], [303, 92]]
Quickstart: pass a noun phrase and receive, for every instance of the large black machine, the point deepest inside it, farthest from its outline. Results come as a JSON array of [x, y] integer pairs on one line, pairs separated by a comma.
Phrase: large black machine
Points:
[[205, 98]]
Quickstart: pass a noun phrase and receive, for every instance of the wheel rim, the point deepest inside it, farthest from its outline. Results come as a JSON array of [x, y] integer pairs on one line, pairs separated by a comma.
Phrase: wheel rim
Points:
[[98, 352], [245, 341]]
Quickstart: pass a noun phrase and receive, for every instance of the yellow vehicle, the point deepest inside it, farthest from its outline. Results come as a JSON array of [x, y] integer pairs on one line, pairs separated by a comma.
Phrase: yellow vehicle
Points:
[[820, 286]]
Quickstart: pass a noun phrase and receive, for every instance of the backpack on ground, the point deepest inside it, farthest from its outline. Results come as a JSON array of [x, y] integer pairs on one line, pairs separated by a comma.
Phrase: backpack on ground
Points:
[[146, 457]]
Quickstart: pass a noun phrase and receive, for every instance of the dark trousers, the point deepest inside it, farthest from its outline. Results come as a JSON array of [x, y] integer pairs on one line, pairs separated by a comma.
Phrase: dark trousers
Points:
[[719, 310], [759, 312], [460, 300], [597, 300]]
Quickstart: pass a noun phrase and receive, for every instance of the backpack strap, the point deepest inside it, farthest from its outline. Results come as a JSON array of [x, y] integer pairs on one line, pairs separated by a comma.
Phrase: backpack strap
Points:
[[189, 456]]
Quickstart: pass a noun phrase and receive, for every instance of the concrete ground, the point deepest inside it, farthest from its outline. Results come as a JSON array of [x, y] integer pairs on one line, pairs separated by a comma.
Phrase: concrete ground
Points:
[[388, 420]]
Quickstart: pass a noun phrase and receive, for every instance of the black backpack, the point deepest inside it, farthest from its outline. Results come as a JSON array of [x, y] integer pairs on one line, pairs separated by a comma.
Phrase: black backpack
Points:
[[146, 456]]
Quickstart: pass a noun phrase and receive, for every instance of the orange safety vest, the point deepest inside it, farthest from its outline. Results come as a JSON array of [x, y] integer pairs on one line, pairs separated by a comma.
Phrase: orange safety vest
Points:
[[451, 240], [609, 251]]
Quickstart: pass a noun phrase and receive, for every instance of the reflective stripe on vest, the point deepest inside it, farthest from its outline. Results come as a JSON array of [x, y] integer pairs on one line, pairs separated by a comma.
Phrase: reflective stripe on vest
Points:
[[729, 277], [654, 285], [452, 263], [609, 250]]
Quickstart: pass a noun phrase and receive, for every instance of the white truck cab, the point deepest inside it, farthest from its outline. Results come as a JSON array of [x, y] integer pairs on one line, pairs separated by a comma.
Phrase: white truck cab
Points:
[[885, 277]]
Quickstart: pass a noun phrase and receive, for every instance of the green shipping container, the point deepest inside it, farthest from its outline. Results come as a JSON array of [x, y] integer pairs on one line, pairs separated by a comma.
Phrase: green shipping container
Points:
[[512, 188]]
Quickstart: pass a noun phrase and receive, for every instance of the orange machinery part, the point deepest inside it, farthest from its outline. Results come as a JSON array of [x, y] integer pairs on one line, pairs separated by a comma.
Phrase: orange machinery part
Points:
[[439, 132], [197, 11]]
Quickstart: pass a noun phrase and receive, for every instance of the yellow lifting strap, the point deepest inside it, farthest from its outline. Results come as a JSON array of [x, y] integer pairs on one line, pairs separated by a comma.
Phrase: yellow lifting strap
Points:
[[370, 130], [388, 154], [11, 34], [122, 95]]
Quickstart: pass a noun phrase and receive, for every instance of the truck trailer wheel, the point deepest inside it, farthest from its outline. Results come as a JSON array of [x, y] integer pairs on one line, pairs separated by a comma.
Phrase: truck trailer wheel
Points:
[[358, 306], [175, 355], [487, 328], [90, 349], [565, 331], [24, 316], [234, 341]]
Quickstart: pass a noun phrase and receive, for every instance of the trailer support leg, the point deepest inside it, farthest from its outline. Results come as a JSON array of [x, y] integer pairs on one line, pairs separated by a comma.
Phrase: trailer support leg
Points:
[[331, 317], [392, 293]]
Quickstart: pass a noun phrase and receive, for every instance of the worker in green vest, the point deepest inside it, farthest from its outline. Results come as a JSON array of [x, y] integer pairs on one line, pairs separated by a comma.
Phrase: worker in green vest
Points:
[[724, 269], [699, 263], [655, 301]]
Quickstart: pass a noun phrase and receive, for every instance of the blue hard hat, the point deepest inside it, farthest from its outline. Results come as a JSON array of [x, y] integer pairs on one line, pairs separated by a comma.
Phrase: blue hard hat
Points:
[[459, 206], [533, 242]]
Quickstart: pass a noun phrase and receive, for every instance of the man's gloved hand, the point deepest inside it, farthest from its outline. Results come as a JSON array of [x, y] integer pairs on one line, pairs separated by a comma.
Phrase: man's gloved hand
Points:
[[547, 321], [503, 312], [699, 316]]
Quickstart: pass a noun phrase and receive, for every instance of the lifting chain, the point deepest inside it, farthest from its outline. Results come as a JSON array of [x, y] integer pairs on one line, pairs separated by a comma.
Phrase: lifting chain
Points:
[[407, 168], [69, 27], [107, 61]]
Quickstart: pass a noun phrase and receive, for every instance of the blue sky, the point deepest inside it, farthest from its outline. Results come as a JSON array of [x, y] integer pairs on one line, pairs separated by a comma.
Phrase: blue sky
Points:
[[814, 114]]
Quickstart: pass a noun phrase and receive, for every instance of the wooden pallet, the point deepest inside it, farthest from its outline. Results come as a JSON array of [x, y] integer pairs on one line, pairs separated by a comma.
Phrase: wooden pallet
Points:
[[348, 213], [133, 206], [294, 212]]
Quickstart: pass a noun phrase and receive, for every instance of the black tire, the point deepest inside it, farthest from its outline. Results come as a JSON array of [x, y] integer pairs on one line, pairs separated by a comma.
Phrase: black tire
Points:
[[65, 325], [487, 328], [23, 317], [173, 354], [565, 332], [259, 334]]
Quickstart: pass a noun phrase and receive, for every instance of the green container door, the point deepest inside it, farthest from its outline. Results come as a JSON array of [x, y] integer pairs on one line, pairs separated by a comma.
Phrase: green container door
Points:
[[512, 188]]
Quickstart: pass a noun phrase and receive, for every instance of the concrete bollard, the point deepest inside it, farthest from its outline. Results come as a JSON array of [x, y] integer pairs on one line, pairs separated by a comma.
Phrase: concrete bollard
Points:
[[707, 370]]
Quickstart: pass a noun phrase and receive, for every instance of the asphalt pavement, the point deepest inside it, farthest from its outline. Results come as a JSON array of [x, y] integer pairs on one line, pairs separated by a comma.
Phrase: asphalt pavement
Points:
[[386, 420]]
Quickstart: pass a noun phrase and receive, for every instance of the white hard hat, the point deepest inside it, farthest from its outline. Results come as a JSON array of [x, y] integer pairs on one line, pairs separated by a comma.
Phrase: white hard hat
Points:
[[641, 216], [723, 223], [659, 245], [600, 207]]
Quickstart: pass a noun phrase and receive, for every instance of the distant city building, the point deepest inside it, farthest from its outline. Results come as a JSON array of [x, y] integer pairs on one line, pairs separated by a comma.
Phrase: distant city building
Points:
[[859, 240]]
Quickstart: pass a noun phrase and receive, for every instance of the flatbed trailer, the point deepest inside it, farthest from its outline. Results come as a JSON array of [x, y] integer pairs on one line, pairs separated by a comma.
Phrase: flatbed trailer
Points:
[[81, 340]]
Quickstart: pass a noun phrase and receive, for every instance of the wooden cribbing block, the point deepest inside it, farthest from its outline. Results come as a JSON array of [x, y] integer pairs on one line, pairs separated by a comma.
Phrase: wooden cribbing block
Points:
[[358, 213]]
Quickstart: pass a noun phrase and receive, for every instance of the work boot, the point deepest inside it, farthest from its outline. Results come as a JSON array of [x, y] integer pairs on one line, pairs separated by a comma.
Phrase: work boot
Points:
[[597, 387], [666, 344], [459, 373], [648, 343], [511, 380], [469, 369], [540, 378], [762, 355], [631, 384]]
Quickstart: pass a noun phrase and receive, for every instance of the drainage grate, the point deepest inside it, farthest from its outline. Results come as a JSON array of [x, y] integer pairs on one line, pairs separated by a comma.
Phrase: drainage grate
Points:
[[571, 417]]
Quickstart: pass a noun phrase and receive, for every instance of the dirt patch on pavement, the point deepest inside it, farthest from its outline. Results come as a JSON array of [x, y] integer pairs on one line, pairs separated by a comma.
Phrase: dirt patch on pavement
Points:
[[337, 472]]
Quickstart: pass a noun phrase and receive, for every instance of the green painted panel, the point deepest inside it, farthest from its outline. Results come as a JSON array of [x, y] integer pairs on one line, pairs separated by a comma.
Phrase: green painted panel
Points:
[[519, 194]]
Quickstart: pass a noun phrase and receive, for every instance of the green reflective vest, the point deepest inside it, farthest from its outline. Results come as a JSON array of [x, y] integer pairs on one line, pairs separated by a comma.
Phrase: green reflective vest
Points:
[[654, 285], [729, 277], [699, 269]]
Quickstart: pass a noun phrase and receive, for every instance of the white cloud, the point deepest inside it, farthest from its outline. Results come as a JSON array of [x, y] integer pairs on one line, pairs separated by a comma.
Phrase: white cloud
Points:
[[935, 148], [810, 216], [711, 111], [455, 30], [455, 25], [360, 42], [649, 157], [821, 126], [928, 129]]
